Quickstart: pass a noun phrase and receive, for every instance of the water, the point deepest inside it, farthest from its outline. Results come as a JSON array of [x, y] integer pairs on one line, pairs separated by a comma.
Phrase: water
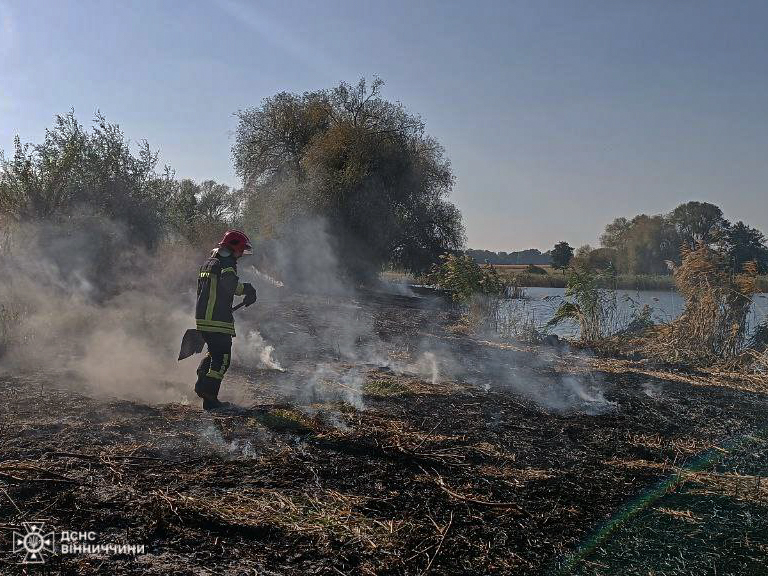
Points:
[[540, 304]]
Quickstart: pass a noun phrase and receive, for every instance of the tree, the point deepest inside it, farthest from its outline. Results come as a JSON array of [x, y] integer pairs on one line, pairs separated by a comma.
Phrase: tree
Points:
[[272, 139], [582, 252], [615, 233], [562, 254], [648, 243], [75, 169], [183, 208], [644, 244], [91, 196], [201, 212], [594, 259], [602, 259], [529, 256], [742, 244], [362, 163], [698, 223], [641, 245]]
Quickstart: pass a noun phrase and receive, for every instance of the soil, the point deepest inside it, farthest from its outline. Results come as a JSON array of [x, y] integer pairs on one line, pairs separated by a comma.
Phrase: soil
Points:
[[371, 465]]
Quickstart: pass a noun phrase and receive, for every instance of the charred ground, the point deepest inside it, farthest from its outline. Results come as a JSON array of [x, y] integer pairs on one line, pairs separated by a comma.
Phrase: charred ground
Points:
[[377, 469]]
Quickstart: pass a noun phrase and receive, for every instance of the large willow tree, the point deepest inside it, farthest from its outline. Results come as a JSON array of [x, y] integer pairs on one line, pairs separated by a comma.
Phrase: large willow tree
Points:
[[362, 163]]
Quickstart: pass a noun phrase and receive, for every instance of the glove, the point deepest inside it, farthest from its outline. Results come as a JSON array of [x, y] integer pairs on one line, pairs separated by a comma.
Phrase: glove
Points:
[[250, 294]]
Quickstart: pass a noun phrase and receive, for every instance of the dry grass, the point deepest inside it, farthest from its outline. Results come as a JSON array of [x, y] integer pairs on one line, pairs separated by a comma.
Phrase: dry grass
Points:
[[713, 325], [745, 487], [419, 479], [685, 515], [639, 464], [524, 267], [422, 478], [712, 377], [323, 514]]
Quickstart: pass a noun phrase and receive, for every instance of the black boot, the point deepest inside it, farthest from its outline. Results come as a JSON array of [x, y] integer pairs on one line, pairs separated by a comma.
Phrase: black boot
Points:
[[219, 406], [207, 387], [212, 404]]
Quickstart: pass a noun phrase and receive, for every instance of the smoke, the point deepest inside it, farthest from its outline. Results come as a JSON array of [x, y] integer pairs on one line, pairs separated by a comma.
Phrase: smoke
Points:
[[252, 351], [328, 384], [652, 390], [90, 305], [496, 366], [328, 327], [586, 396], [398, 287], [303, 257], [212, 438], [109, 316], [426, 366], [328, 319]]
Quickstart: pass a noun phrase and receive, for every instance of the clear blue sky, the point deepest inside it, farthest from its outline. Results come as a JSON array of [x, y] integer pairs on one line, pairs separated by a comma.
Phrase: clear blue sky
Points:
[[557, 116]]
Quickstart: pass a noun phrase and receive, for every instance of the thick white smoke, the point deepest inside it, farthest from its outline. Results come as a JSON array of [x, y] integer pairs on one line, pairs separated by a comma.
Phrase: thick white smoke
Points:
[[251, 350], [91, 306], [110, 316]]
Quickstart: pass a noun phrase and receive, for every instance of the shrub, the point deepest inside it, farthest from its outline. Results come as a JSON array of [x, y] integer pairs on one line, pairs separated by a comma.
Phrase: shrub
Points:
[[537, 280], [592, 306], [713, 325], [460, 275]]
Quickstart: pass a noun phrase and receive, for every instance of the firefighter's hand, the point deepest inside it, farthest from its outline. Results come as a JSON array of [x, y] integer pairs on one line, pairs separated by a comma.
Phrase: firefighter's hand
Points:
[[250, 294]]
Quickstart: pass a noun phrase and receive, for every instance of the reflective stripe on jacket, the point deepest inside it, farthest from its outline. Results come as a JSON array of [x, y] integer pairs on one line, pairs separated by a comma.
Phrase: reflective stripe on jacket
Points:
[[217, 285]]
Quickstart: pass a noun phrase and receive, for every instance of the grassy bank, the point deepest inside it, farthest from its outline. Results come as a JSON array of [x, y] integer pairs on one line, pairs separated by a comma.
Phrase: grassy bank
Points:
[[522, 276], [623, 281]]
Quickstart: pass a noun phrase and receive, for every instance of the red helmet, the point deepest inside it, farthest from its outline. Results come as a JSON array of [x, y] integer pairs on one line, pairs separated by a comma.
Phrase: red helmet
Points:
[[236, 241]]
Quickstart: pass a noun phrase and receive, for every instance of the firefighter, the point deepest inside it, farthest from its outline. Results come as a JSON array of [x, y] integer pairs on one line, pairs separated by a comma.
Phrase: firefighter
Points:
[[217, 286]]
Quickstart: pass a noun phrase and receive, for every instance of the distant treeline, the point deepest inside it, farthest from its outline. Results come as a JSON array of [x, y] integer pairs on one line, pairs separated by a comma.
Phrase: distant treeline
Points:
[[646, 244], [651, 245], [530, 256]]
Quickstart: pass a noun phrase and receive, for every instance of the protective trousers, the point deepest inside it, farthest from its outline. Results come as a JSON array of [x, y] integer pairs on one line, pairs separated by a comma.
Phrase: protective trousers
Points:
[[214, 365]]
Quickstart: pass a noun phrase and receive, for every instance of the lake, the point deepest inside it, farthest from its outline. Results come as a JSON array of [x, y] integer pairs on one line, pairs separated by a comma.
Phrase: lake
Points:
[[540, 304]]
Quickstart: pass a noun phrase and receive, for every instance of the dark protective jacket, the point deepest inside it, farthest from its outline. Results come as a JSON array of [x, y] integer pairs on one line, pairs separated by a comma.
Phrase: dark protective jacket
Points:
[[217, 285]]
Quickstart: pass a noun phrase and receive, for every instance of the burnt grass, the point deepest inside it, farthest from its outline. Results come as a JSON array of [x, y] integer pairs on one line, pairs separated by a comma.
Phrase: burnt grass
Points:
[[397, 476]]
